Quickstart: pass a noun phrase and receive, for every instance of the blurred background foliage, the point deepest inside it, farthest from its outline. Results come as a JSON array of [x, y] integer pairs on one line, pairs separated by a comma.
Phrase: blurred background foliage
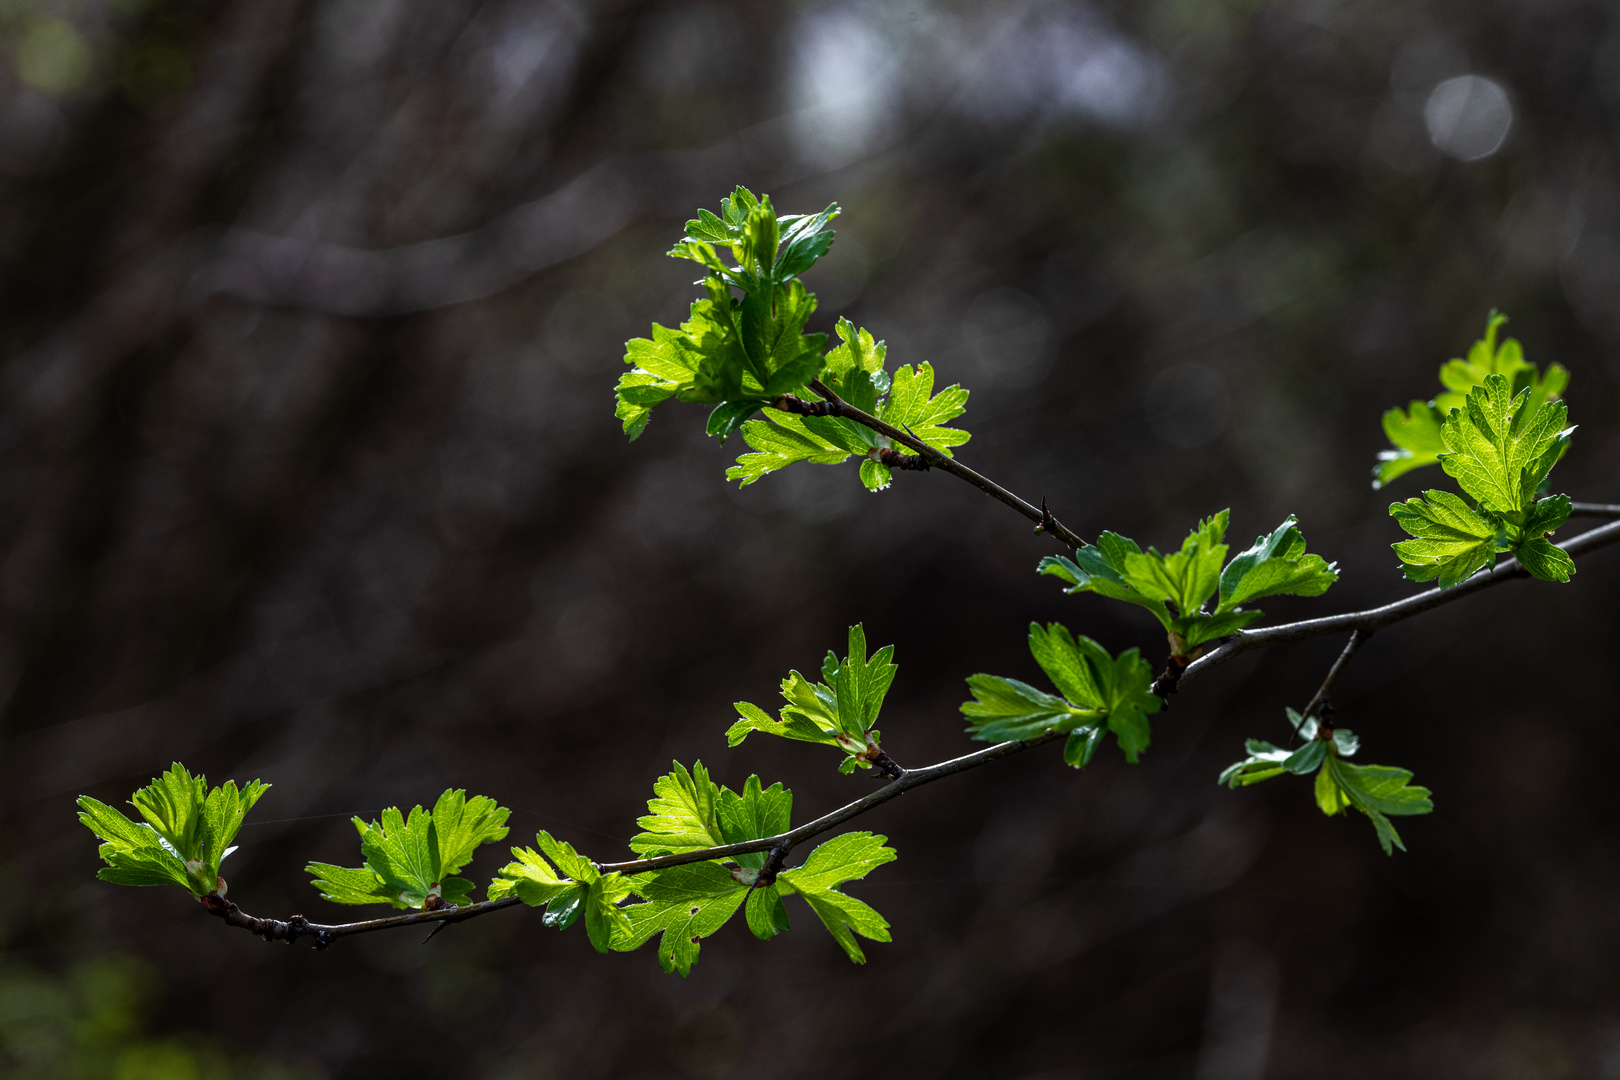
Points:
[[308, 471]]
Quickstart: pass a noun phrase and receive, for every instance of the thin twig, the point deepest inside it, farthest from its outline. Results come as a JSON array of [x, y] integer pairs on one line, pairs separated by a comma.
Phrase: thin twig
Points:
[[1362, 623], [837, 406], [1317, 703]]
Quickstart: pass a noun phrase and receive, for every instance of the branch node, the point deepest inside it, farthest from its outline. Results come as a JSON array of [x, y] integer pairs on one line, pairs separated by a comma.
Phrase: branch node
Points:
[[894, 459], [800, 407]]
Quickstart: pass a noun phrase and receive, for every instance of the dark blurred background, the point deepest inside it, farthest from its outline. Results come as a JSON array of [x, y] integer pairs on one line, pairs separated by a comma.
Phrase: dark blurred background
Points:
[[308, 472]]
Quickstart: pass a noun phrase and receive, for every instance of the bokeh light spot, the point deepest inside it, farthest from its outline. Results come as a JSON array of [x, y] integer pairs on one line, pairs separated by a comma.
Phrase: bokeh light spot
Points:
[[1468, 117]]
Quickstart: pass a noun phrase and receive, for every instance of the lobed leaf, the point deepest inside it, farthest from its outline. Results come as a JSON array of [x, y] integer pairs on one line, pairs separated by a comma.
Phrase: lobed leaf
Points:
[[1416, 433], [1498, 449], [684, 814], [411, 860], [841, 711], [1277, 564], [1099, 691], [1451, 540], [844, 858], [186, 832]]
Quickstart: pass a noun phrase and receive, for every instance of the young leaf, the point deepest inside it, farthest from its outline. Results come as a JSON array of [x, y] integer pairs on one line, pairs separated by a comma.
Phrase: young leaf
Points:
[[842, 711], [1416, 432], [914, 407], [1451, 540], [1006, 709], [1416, 437], [1100, 568], [1187, 577], [535, 881], [567, 886], [1485, 358], [844, 858], [1275, 565], [781, 441], [1098, 690], [1264, 762], [1379, 791], [1499, 451], [692, 901], [755, 814], [412, 860], [187, 831], [684, 814], [684, 904]]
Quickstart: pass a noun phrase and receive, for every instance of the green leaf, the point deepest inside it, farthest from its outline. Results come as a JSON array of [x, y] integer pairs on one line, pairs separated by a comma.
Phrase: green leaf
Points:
[[684, 814], [1081, 747], [604, 919], [1187, 577], [793, 724], [1100, 568], [1006, 709], [755, 814], [187, 831], [1416, 436], [1545, 560], [728, 415], [1277, 564], [412, 860], [1451, 540], [684, 904], [1264, 762], [842, 711], [1379, 791], [875, 475], [1499, 450], [859, 685], [805, 238], [1096, 688], [914, 407], [1416, 433], [531, 877], [1485, 359], [781, 441], [844, 858], [766, 915]]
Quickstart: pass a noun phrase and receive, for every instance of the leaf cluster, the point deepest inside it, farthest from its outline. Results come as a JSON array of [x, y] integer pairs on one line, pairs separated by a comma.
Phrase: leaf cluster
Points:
[[1416, 431], [855, 372], [185, 832], [1177, 588], [684, 904], [410, 861], [734, 353], [1378, 791], [1500, 447], [840, 711], [1099, 693]]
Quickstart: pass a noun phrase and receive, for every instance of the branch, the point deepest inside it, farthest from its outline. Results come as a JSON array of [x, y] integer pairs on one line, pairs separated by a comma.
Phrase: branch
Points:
[[1362, 623], [833, 405], [779, 846], [298, 926], [1379, 617], [1603, 510]]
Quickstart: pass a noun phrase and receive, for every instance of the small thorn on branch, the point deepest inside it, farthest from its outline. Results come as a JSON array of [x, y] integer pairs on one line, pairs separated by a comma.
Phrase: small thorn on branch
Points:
[[1048, 523]]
